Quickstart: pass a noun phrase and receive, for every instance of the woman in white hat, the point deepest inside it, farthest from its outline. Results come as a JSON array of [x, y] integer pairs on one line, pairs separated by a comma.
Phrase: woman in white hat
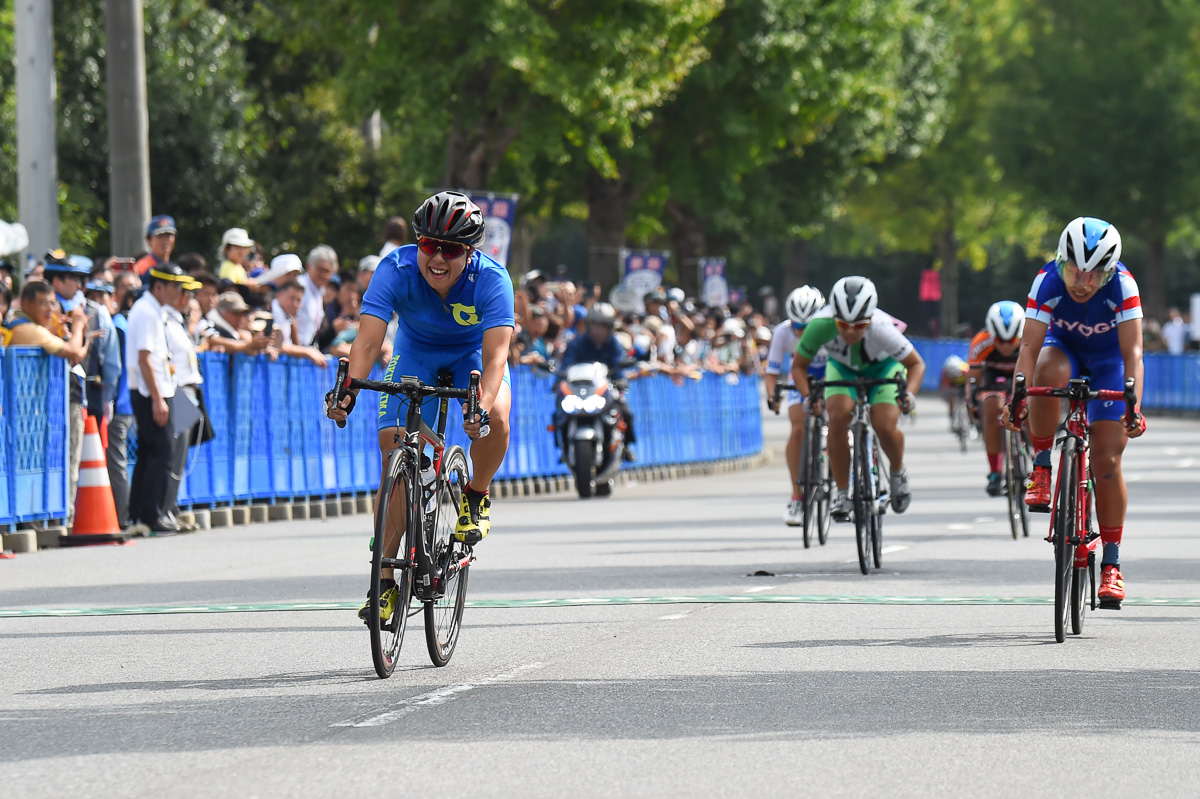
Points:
[[235, 246]]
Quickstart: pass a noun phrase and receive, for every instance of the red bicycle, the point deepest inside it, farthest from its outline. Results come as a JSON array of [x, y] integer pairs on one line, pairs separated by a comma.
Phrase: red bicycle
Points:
[[1072, 523]]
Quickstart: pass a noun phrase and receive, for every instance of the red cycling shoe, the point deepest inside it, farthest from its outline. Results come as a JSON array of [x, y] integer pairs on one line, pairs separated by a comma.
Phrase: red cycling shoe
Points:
[[1037, 490], [1112, 587]]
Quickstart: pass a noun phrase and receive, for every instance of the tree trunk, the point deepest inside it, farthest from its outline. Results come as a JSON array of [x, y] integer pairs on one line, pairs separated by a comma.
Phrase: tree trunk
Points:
[[691, 244], [795, 265], [946, 245], [525, 234], [1154, 288], [609, 203]]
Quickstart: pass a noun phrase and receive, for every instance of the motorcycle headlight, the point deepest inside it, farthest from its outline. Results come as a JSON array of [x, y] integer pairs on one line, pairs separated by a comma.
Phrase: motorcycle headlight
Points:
[[572, 403], [593, 404]]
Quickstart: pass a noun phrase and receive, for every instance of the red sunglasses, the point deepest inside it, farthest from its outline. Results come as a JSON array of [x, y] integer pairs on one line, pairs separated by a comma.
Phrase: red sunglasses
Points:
[[854, 325], [450, 249]]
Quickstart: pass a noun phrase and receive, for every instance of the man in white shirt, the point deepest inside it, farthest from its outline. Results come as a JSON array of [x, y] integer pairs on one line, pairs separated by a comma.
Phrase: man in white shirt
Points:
[[187, 380], [151, 387], [1175, 332], [284, 308], [322, 263]]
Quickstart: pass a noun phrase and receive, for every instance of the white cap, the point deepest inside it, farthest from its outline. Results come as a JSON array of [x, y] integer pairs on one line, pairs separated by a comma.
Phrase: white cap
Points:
[[368, 263], [281, 266], [236, 236], [732, 327]]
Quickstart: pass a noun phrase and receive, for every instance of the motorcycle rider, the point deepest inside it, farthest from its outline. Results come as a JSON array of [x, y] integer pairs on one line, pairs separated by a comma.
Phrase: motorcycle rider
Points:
[[599, 345]]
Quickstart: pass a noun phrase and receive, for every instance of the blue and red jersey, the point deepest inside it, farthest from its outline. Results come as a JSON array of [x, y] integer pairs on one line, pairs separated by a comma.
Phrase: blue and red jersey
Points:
[[1089, 328]]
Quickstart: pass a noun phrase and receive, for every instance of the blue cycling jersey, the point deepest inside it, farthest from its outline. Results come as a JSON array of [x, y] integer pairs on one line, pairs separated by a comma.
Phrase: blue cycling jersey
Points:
[[480, 300], [1089, 328]]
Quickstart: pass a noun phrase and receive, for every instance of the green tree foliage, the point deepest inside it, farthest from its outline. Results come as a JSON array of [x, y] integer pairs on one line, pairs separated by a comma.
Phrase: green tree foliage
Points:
[[811, 93], [1101, 117], [951, 200]]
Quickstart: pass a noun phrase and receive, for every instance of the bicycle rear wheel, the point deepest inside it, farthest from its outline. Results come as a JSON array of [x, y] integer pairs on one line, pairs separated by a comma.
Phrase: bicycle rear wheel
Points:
[[824, 488], [961, 424], [864, 503], [1082, 579], [451, 560], [808, 479], [880, 478], [1063, 529], [386, 637]]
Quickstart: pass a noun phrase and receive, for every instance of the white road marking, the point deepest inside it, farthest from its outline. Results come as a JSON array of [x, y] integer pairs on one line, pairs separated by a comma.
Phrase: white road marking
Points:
[[439, 696], [891, 549], [760, 588], [959, 526], [984, 519], [672, 617]]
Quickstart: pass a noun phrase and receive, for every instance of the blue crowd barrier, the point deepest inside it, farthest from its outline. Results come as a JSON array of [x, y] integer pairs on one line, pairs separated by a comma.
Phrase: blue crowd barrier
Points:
[[1171, 383], [272, 442], [33, 396]]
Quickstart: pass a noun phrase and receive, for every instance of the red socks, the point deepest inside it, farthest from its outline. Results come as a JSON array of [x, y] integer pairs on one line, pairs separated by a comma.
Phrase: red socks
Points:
[[1111, 535], [995, 462]]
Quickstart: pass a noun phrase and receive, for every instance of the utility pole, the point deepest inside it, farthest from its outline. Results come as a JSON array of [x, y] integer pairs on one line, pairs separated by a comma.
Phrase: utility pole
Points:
[[37, 154], [128, 126]]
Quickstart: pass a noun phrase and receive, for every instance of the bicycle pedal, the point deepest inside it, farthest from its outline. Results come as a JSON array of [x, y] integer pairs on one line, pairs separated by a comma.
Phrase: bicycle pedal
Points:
[[1109, 604]]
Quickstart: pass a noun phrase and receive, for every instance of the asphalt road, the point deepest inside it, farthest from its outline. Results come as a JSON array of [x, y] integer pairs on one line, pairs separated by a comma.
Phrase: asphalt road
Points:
[[900, 689]]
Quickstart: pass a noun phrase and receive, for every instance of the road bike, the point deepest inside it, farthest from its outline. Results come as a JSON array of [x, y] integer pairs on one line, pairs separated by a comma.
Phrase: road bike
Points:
[[816, 480], [429, 565], [1072, 517], [960, 418], [869, 480]]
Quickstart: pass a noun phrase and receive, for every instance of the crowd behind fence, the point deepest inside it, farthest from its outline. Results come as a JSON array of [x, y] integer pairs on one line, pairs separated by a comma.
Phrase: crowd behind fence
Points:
[[272, 442]]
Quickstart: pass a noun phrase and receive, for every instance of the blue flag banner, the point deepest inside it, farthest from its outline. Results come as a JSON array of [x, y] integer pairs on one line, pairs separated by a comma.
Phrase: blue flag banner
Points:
[[714, 287], [499, 212]]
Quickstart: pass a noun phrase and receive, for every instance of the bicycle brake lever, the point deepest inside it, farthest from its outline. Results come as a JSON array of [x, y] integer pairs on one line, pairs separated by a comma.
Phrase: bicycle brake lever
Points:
[[340, 385]]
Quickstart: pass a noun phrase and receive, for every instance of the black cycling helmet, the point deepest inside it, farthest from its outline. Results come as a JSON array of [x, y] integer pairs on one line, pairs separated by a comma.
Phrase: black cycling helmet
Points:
[[450, 216]]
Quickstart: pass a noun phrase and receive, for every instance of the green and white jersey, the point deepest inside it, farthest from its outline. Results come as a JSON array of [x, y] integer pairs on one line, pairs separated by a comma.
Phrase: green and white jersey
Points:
[[882, 341]]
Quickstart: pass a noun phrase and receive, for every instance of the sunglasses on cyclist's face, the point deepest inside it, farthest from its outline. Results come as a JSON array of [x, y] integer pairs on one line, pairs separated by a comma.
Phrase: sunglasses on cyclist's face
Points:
[[853, 325], [450, 249], [1076, 278]]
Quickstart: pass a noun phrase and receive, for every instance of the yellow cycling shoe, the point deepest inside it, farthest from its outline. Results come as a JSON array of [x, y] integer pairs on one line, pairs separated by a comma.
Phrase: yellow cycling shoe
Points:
[[474, 517], [387, 605]]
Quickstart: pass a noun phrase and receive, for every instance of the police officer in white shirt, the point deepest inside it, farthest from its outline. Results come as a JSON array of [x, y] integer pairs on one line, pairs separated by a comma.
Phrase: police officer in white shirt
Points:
[[151, 387], [182, 347]]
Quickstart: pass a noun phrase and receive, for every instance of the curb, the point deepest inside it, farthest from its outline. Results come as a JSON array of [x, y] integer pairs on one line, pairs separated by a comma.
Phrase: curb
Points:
[[364, 503]]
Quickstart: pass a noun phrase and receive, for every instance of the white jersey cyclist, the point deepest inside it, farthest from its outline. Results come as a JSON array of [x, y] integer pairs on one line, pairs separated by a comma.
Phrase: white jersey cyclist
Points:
[[779, 358]]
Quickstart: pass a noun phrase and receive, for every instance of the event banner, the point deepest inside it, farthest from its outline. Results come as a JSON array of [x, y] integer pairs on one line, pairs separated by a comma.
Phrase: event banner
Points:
[[643, 271], [714, 287], [499, 211]]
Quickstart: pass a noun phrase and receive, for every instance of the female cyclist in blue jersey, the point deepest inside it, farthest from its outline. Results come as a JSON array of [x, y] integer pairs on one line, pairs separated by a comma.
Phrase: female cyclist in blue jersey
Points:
[[1084, 317], [455, 310]]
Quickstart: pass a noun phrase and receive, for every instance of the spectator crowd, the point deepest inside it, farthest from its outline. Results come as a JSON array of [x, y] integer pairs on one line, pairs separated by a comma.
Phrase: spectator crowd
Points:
[[130, 329]]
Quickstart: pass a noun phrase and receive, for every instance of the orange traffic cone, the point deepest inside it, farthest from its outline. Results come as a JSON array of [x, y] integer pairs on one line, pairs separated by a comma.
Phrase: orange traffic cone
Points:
[[95, 513]]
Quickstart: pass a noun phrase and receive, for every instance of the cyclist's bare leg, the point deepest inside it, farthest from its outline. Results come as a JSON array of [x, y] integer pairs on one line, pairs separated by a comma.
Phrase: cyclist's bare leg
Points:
[[1107, 445], [840, 408], [993, 433], [884, 418], [1053, 369], [488, 453], [795, 445], [389, 439]]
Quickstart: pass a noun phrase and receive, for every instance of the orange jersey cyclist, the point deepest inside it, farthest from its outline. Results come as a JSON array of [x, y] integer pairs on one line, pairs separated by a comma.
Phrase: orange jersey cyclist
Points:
[[992, 358]]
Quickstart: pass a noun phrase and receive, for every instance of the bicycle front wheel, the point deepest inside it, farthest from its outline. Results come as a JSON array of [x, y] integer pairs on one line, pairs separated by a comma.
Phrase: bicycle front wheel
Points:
[[387, 636], [864, 502], [1063, 529], [451, 560]]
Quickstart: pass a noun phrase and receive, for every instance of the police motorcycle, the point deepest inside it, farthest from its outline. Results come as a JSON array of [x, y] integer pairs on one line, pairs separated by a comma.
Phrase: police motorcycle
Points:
[[590, 427]]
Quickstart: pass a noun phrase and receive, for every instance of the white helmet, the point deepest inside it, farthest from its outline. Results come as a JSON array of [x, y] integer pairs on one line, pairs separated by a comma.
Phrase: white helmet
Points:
[[1005, 321], [802, 303], [1091, 244], [854, 299], [955, 366]]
